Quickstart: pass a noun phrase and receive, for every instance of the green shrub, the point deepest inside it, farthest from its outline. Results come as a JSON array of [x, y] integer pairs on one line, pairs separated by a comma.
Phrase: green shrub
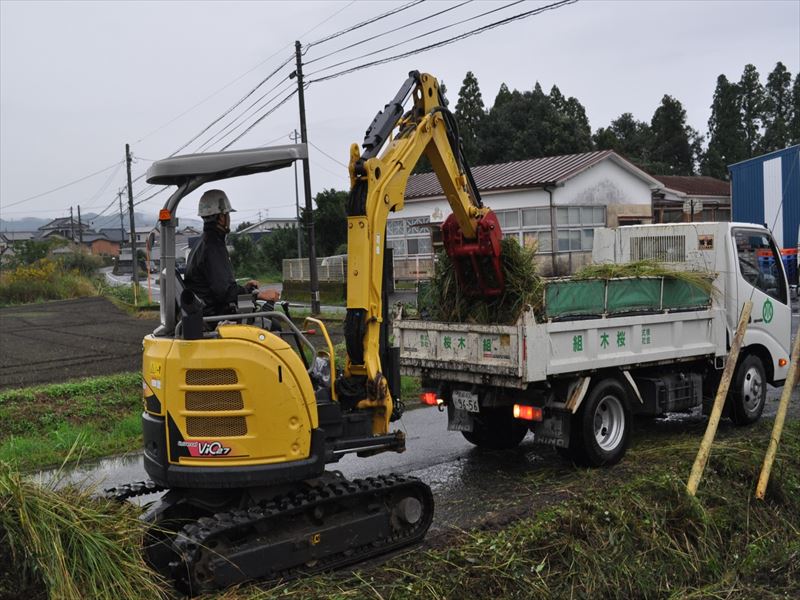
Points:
[[44, 279]]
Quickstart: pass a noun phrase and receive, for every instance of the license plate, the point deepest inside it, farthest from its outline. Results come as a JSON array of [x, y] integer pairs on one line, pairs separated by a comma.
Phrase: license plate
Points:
[[468, 401], [459, 420]]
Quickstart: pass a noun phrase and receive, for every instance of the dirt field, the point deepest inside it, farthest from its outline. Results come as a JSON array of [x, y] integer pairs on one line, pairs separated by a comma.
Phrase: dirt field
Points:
[[56, 341]]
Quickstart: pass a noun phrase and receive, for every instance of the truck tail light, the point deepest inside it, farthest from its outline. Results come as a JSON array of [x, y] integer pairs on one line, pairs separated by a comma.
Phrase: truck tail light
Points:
[[429, 398], [528, 413]]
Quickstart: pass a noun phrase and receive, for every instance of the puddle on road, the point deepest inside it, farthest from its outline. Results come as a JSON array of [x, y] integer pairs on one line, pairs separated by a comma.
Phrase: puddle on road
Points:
[[99, 475]]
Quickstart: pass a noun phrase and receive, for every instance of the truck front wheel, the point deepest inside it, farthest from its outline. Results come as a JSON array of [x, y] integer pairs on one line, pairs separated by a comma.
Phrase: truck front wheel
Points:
[[496, 429], [601, 428], [748, 391]]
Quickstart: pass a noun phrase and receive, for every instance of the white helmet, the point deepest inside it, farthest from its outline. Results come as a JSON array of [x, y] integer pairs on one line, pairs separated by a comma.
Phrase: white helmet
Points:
[[214, 202]]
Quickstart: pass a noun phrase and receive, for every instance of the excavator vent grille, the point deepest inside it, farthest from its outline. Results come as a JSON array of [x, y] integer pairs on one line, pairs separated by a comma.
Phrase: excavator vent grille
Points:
[[216, 426], [211, 377], [216, 400]]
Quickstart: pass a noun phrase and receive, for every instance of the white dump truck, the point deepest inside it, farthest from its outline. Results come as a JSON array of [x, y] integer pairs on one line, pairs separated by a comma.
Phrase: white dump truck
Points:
[[601, 351]]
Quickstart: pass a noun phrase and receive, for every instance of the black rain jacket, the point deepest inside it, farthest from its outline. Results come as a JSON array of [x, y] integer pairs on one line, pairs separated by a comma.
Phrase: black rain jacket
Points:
[[209, 274]]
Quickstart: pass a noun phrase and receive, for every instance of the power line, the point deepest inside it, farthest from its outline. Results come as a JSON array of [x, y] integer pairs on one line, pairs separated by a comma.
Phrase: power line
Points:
[[280, 137], [61, 187], [446, 42], [218, 136], [364, 23], [235, 105], [264, 116], [396, 29], [421, 35], [338, 162], [106, 184], [240, 77]]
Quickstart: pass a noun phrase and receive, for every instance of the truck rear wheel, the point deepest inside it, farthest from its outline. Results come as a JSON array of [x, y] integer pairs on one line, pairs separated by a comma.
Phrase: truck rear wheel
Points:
[[496, 429], [748, 391], [601, 427]]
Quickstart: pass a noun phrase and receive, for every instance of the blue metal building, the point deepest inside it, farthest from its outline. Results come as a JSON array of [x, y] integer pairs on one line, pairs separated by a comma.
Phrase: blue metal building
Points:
[[766, 189]]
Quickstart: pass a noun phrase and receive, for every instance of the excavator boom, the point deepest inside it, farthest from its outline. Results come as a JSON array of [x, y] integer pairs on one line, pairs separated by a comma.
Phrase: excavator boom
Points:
[[471, 234]]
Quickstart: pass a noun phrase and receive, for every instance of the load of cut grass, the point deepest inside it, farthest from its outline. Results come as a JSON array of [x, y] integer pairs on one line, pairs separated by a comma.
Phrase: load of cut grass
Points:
[[65, 544], [702, 280], [446, 300]]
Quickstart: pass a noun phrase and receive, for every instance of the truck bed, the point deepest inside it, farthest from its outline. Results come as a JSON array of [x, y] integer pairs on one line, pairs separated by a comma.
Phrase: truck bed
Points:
[[516, 355]]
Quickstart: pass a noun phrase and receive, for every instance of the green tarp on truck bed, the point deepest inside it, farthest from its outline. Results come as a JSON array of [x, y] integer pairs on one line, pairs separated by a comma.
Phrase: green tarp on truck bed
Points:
[[596, 297]]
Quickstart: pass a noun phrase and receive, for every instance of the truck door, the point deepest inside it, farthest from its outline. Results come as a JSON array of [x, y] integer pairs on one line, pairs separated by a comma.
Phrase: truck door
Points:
[[761, 278]]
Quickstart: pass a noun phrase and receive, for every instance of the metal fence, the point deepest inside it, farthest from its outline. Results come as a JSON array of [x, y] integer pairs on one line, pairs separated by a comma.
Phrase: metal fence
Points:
[[415, 267]]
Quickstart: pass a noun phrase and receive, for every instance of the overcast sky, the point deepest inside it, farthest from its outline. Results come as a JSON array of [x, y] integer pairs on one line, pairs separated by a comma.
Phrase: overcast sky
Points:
[[80, 79]]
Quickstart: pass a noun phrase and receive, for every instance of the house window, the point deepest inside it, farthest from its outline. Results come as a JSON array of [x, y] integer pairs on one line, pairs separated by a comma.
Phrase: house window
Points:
[[409, 236], [576, 225]]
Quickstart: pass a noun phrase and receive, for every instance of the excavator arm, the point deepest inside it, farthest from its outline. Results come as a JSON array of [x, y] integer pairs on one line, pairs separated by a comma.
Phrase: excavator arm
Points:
[[471, 234]]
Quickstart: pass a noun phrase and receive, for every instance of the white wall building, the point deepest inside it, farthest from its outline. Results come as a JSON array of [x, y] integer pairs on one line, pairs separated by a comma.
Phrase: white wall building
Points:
[[555, 202], [270, 224]]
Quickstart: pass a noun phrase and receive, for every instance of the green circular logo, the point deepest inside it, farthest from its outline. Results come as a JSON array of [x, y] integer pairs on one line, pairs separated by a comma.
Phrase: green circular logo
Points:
[[767, 312]]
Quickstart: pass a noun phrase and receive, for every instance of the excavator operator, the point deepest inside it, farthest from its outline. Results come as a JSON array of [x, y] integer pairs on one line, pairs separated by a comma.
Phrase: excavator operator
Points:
[[209, 272]]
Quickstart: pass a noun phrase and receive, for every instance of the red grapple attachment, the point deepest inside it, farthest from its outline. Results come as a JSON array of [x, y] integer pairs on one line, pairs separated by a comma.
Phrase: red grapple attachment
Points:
[[477, 262]]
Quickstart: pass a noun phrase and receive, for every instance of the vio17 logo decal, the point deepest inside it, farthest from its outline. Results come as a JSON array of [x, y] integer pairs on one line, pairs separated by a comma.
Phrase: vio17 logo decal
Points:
[[205, 448]]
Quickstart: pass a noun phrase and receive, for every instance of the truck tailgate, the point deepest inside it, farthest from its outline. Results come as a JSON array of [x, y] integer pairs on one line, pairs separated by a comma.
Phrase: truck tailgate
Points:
[[462, 352]]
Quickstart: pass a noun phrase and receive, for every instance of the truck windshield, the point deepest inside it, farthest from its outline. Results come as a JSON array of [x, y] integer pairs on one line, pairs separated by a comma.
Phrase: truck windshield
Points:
[[758, 262]]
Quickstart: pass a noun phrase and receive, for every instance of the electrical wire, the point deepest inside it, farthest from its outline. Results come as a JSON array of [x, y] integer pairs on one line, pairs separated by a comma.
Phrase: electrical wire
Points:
[[61, 187], [420, 36], [446, 42], [338, 162], [396, 29], [264, 116], [280, 137], [242, 116], [369, 21], [236, 104], [240, 77], [106, 184]]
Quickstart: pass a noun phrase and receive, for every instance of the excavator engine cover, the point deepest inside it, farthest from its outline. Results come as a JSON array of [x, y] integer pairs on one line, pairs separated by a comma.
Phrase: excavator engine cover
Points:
[[477, 262]]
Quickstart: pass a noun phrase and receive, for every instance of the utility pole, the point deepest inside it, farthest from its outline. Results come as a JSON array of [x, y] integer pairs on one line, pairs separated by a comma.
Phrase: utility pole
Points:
[[121, 223], [71, 225], [312, 252], [133, 226], [294, 136], [80, 226]]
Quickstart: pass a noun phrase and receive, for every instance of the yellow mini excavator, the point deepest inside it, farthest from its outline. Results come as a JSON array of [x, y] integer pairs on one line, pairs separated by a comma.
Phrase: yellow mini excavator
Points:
[[239, 424]]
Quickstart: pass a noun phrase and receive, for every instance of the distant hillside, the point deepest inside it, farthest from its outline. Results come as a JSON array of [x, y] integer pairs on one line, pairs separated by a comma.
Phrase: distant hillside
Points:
[[143, 221]]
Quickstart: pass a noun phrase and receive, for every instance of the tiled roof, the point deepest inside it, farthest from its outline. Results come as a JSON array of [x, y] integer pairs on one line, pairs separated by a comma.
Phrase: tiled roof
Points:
[[696, 186], [532, 173]]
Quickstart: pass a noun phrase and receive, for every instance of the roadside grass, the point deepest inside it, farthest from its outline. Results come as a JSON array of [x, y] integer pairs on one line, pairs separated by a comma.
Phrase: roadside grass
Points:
[[629, 532], [122, 296], [66, 544], [39, 425]]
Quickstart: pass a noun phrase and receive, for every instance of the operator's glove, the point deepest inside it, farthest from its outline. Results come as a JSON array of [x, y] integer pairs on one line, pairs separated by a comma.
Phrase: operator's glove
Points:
[[269, 296], [251, 286]]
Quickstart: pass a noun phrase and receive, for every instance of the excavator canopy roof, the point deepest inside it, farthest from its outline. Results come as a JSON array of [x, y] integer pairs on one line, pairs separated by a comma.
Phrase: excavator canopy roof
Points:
[[213, 166]]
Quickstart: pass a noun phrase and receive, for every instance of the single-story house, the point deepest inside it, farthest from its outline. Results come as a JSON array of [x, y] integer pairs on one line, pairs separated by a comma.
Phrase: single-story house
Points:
[[555, 202], [691, 198]]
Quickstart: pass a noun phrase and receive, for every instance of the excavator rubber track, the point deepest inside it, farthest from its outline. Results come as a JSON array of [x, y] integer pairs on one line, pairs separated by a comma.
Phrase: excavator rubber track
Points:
[[302, 532], [132, 490]]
